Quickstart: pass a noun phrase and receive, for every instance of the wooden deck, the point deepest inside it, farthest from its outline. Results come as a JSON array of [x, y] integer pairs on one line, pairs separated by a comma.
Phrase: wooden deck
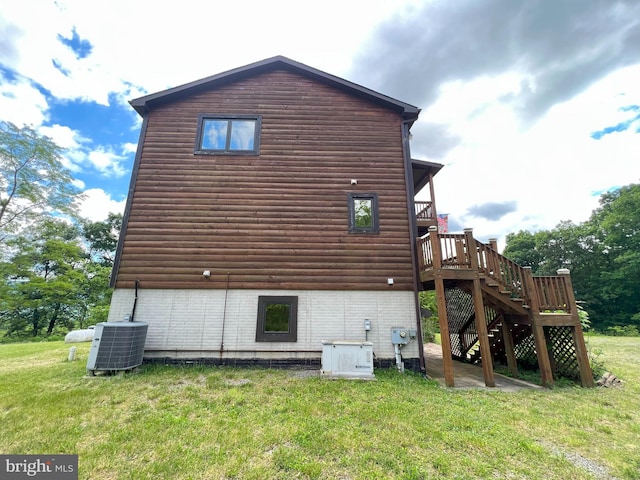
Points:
[[503, 301]]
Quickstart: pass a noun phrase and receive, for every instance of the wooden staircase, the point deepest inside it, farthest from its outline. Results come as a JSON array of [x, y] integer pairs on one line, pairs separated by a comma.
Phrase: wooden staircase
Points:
[[493, 310]]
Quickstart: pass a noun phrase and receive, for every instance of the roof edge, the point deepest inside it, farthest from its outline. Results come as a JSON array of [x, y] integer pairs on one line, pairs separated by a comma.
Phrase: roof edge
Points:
[[144, 103]]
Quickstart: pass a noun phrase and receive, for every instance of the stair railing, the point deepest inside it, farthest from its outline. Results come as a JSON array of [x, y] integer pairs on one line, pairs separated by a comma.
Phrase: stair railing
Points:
[[448, 250], [510, 276]]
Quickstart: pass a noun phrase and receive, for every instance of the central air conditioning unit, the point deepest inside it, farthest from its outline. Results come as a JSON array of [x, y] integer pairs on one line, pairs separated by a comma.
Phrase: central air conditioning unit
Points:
[[117, 346], [347, 359]]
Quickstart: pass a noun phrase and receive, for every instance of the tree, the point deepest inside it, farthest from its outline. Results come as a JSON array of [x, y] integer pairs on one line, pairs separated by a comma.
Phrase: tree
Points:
[[56, 277], [617, 224], [43, 277], [521, 247], [102, 238], [603, 255], [33, 180]]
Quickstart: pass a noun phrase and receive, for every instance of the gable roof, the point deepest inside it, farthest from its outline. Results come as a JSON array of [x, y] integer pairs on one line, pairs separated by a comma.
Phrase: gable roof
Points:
[[144, 104]]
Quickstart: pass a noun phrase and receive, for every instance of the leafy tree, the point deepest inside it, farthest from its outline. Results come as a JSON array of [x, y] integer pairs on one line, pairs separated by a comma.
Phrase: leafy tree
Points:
[[102, 238], [43, 275], [521, 247], [603, 255], [617, 223], [33, 179], [57, 277]]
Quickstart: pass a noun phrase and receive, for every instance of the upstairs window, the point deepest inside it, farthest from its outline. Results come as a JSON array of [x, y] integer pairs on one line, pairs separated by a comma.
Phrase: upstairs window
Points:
[[363, 213], [228, 134]]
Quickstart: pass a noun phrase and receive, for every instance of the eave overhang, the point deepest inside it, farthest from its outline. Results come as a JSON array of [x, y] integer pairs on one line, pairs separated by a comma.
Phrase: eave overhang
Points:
[[422, 172], [143, 104]]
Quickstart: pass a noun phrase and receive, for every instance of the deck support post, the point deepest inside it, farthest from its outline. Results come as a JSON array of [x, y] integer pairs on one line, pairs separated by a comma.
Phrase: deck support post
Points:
[[483, 335], [586, 374], [445, 338], [546, 374], [478, 306], [509, 347]]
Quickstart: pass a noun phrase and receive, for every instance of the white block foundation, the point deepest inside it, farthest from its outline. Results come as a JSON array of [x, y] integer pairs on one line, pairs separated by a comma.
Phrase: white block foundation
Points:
[[196, 324]]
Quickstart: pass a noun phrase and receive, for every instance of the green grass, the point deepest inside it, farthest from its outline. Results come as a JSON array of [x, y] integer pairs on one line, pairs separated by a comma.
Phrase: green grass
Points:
[[168, 422]]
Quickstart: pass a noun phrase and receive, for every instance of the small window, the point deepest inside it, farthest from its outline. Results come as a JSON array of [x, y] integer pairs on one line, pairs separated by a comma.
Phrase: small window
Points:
[[239, 134], [363, 213], [277, 319]]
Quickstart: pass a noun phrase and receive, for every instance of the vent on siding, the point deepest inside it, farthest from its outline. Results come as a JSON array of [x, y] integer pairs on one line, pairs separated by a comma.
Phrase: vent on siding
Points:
[[117, 346]]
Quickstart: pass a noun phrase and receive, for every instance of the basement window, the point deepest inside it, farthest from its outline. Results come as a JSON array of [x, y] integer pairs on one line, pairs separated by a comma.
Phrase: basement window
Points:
[[363, 213], [228, 134], [277, 319]]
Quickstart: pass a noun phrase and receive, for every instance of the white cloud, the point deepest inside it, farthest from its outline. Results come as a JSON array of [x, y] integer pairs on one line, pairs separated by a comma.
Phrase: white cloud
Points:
[[107, 162], [514, 109], [129, 148], [98, 204], [21, 103], [71, 141], [79, 184], [131, 57], [80, 154], [551, 168]]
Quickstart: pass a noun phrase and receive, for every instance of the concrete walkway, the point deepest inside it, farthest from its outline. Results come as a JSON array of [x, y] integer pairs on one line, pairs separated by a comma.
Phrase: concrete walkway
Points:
[[467, 376]]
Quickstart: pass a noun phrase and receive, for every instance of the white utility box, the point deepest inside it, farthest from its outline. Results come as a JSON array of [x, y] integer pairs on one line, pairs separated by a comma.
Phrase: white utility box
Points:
[[347, 359]]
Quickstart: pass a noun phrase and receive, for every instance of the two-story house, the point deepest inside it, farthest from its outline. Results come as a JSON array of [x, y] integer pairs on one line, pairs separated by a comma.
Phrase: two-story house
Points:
[[272, 207]]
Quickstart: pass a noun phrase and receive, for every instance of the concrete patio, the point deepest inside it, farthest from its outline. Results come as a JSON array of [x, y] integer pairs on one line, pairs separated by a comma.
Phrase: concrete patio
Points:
[[467, 376]]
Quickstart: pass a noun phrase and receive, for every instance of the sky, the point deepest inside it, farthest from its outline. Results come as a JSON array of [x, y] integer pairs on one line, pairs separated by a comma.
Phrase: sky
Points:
[[532, 106]]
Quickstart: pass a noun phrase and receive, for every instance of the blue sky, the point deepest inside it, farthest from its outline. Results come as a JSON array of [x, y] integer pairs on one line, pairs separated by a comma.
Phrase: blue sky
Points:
[[533, 107]]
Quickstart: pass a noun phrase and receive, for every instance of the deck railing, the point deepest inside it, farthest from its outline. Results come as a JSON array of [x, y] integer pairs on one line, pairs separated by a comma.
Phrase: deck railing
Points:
[[449, 252], [425, 212], [462, 251], [554, 293]]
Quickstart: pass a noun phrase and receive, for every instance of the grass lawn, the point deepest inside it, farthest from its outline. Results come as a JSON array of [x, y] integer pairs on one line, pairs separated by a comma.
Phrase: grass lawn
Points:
[[168, 422]]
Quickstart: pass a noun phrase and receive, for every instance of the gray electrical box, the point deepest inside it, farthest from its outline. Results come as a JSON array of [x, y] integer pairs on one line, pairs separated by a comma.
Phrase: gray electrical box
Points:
[[399, 336]]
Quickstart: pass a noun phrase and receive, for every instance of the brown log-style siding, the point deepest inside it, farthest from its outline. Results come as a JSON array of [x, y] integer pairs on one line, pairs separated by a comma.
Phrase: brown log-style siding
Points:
[[275, 220]]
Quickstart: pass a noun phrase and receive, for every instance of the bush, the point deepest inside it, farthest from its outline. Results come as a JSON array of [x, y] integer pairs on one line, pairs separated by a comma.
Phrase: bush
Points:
[[623, 331], [430, 327], [30, 338]]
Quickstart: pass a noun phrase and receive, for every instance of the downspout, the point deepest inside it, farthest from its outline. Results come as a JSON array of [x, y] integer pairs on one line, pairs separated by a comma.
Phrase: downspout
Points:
[[224, 315], [135, 300], [413, 232]]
